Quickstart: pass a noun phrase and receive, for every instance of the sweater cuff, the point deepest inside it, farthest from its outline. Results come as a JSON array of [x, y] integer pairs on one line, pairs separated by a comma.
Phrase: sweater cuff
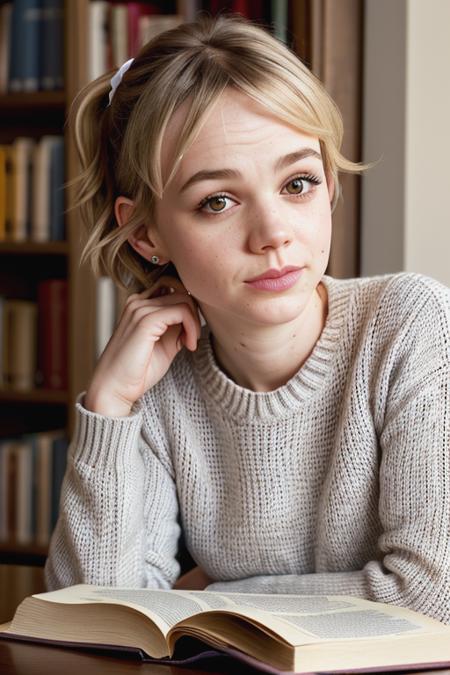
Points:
[[101, 441]]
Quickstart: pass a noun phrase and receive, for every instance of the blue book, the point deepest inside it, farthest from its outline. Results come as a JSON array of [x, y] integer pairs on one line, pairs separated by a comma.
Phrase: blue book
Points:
[[52, 45], [26, 21], [57, 222]]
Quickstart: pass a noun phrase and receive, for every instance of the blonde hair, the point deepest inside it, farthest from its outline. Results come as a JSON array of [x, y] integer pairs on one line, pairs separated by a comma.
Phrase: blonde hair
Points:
[[120, 146]]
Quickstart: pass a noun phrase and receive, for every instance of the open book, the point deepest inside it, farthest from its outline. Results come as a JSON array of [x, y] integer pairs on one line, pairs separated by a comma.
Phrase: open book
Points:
[[279, 632]]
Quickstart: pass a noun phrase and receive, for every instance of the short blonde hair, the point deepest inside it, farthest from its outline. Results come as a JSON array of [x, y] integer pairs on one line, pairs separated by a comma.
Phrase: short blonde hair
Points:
[[120, 145]]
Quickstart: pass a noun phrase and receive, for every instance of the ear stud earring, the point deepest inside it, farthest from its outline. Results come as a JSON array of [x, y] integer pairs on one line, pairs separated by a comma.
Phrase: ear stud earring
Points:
[[154, 259]]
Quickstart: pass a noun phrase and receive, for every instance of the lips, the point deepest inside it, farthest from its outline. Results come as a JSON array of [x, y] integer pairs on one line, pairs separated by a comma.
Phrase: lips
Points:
[[274, 274]]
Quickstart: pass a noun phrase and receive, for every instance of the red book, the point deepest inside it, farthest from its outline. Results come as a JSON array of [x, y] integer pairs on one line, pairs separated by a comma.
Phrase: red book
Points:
[[135, 11], [52, 334]]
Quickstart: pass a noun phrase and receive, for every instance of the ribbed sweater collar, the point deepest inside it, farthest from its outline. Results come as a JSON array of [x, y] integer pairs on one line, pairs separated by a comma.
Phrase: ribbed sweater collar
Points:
[[244, 404]]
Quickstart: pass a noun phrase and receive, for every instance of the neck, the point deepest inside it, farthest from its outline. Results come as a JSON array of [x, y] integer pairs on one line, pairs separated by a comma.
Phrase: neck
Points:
[[265, 359]]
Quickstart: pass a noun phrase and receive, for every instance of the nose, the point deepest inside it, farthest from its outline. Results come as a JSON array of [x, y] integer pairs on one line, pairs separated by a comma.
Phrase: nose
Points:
[[268, 230]]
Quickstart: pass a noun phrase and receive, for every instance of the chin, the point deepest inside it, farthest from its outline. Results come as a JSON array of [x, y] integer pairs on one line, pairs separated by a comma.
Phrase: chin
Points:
[[275, 313]]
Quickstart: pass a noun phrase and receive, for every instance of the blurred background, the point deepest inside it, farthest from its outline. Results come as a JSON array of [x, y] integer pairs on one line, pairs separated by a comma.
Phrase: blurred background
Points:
[[386, 64]]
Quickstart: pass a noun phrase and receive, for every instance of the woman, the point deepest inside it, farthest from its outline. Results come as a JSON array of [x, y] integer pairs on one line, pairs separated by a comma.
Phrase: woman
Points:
[[301, 437]]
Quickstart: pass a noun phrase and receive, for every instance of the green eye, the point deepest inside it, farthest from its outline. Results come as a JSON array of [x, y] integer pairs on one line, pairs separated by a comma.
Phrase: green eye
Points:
[[295, 187]]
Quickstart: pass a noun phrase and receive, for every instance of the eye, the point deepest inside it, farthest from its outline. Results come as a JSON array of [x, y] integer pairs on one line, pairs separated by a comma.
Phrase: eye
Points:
[[215, 204], [296, 186]]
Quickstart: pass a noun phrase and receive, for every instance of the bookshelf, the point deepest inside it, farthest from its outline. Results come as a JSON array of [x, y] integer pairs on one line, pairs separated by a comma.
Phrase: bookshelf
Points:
[[327, 38]]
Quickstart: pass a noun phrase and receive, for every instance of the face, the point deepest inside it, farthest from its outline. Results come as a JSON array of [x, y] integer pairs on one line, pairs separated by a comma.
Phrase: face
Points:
[[250, 196]]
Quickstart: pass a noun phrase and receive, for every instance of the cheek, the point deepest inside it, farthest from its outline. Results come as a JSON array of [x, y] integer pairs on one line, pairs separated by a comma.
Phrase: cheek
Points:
[[198, 261]]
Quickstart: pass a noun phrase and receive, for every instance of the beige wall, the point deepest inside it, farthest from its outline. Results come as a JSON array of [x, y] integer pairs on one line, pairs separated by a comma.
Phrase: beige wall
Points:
[[405, 199]]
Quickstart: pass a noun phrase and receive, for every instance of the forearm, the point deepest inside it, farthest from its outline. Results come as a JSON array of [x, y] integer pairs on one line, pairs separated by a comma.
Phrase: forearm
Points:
[[414, 587], [326, 583], [98, 536]]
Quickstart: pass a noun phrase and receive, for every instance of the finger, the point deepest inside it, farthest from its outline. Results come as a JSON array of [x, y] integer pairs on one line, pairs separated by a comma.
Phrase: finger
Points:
[[173, 299], [163, 283], [157, 322]]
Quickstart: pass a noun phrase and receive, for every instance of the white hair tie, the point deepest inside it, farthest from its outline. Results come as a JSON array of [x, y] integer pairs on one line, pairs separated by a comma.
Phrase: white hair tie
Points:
[[117, 78]]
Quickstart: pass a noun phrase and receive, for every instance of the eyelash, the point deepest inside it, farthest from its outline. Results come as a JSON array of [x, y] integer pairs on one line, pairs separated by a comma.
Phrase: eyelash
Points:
[[310, 178]]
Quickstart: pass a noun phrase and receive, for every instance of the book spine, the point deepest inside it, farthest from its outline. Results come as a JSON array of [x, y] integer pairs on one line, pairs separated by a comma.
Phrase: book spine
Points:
[[6, 448], [41, 189], [24, 54], [11, 483], [59, 456], [23, 149], [57, 231], [52, 52], [99, 44], [2, 341], [23, 492], [137, 10], [44, 488], [280, 19], [10, 167], [119, 34], [21, 331], [5, 39], [3, 192], [52, 334], [15, 53]]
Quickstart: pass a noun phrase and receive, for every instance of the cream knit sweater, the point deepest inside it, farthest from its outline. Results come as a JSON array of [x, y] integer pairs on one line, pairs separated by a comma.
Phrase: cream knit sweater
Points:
[[337, 482]]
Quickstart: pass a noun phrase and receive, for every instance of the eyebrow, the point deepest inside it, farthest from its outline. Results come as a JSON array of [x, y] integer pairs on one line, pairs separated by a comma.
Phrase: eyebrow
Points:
[[281, 163]]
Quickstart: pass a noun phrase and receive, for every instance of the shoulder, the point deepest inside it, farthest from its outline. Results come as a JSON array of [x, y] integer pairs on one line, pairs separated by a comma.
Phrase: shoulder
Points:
[[402, 298], [392, 317], [409, 326]]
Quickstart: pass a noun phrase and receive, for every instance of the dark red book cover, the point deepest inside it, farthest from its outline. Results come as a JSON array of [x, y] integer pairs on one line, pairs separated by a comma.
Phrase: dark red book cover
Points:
[[135, 11], [52, 334]]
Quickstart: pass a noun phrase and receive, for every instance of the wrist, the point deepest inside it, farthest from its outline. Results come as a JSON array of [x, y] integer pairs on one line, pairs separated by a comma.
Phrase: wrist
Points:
[[106, 405]]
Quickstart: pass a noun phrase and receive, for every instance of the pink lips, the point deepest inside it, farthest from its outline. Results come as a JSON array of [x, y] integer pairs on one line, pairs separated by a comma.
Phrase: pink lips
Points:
[[276, 280]]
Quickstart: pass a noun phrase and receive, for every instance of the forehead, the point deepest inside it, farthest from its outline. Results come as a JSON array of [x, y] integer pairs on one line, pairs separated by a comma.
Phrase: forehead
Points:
[[235, 128]]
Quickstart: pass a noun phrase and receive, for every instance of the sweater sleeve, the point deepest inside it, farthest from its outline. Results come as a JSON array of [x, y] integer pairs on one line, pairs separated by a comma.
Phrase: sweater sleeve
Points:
[[414, 484], [117, 521]]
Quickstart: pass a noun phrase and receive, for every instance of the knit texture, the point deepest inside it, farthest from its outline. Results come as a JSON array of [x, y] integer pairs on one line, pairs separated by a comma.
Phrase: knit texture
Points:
[[336, 482]]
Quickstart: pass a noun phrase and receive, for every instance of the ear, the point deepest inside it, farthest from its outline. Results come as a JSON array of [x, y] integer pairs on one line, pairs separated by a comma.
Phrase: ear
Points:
[[140, 240]]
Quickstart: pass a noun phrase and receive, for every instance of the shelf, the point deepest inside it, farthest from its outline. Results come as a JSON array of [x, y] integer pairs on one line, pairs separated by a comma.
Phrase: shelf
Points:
[[36, 100], [19, 554], [34, 247], [45, 396]]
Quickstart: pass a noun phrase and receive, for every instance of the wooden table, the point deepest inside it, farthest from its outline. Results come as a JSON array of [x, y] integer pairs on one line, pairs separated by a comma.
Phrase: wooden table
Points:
[[30, 659]]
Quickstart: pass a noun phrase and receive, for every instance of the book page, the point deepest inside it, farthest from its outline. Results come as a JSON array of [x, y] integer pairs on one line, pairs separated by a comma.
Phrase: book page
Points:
[[165, 608], [309, 619]]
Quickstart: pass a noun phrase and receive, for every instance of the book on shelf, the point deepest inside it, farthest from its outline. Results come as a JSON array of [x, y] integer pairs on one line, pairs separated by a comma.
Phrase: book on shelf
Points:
[[118, 30], [52, 372], [20, 344], [32, 189], [34, 339], [31, 473], [275, 632], [32, 31], [47, 201], [5, 35]]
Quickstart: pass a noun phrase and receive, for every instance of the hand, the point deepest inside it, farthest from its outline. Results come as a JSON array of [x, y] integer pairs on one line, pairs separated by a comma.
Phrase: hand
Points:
[[153, 327], [194, 580]]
